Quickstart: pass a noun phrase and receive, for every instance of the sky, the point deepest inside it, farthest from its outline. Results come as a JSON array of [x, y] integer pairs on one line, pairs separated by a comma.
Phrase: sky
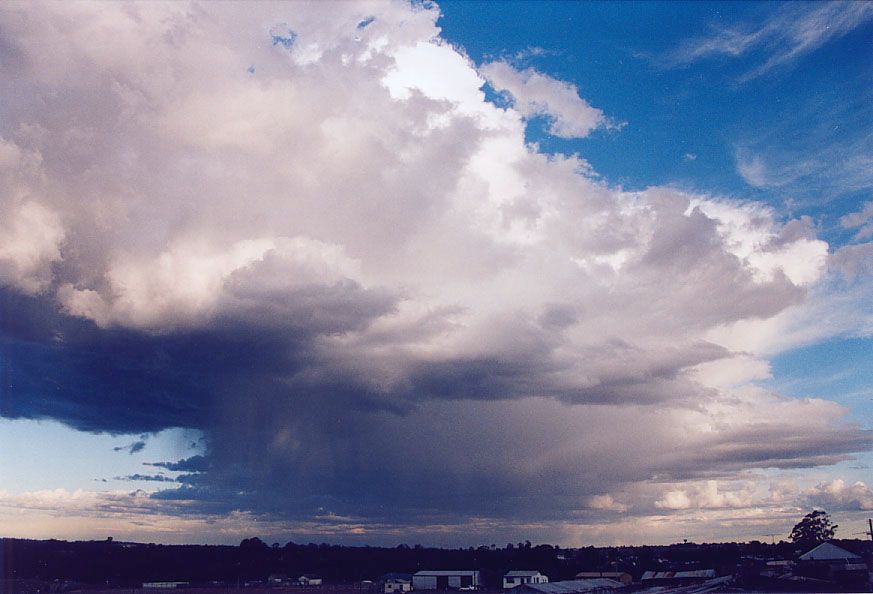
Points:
[[451, 273]]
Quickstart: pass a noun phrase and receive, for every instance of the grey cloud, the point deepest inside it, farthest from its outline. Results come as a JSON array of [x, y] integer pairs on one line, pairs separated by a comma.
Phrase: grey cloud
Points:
[[133, 448], [157, 478], [385, 306], [193, 464]]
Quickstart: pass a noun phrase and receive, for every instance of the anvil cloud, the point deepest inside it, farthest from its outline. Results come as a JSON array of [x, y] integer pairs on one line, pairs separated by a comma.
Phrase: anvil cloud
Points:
[[307, 233]]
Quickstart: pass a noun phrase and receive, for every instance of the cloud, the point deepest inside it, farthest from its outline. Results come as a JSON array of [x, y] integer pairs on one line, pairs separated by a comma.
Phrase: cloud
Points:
[[702, 496], [133, 448], [837, 495], [535, 94], [349, 270], [193, 464], [607, 503], [791, 32], [861, 220], [157, 478], [31, 237]]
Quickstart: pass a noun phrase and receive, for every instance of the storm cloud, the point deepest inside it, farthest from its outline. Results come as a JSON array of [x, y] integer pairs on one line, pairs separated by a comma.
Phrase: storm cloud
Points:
[[347, 268]]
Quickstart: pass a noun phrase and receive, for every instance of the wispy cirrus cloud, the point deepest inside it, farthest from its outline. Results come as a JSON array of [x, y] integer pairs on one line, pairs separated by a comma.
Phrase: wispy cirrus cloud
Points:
[[793, 31]]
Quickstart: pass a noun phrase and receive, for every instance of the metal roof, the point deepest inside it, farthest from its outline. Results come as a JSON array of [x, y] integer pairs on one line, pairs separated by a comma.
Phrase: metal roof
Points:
[[441, 572], [521, 573], [574, 586], [678, 575], [828, 552]]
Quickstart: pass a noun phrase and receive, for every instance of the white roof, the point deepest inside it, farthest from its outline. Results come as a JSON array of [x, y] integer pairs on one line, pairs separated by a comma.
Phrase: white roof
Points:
[[828, 552]]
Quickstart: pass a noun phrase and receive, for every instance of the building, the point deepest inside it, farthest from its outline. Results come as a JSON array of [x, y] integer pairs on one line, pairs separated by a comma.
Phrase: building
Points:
[[393, 585], [450, 579], [278, 579], [392, 582], [592, 586], [308, 581], [827, 561], [677, 578], [518, 577], [163, 585], [619, 576]]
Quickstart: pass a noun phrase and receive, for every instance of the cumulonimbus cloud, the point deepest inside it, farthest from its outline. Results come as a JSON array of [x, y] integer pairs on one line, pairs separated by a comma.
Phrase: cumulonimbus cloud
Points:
[[332, 255]]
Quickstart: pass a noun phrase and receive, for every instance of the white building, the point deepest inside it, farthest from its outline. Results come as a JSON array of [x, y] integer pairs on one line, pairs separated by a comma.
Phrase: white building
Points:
[[308, 580], [519, 577], [397, 585], [830, 552], [446, 580]]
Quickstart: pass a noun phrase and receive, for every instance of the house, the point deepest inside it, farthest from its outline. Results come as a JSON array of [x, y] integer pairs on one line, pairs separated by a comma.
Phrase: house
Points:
[[451, 579], [163, 585], [393, 582], [619, 576], [829, 552], [307, 580], [592, 586], [518, 577], [393, 585], [827, 561]]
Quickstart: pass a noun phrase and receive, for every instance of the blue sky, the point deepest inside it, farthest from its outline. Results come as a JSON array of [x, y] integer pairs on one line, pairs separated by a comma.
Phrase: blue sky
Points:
[[692, 125], [411, 231]]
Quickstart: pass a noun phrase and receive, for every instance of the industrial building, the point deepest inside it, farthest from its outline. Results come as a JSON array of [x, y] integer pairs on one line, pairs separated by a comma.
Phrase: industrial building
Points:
[[619, 576], [677, 578], [449, 579]]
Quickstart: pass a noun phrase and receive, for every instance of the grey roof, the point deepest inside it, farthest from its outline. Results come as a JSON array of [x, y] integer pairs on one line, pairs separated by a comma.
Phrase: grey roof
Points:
[[828, 552], [521, 573], [574, 586], [441, 572], [670, 575]]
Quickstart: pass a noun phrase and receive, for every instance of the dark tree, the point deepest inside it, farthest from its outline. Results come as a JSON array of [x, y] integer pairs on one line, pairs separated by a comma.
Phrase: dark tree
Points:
[[815, 528]]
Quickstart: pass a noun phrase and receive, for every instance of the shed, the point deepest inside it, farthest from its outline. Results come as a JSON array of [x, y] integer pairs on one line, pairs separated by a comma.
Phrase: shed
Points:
[[445, 579], [518, 577], [621, 576]]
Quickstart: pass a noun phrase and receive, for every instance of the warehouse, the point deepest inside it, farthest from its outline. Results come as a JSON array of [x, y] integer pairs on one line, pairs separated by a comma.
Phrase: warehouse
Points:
[[446, 580]]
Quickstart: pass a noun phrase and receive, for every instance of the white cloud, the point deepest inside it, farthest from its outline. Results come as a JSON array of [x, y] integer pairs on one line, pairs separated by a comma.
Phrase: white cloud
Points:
[[536, 94], [861, 220], [837, 495], [365, 252], [704, 496], [606, 503], [30, 243], [790, 33]]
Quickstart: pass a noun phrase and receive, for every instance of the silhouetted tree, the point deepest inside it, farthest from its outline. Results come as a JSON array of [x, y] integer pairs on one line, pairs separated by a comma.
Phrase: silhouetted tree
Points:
[[253, 543], [815, 528]]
